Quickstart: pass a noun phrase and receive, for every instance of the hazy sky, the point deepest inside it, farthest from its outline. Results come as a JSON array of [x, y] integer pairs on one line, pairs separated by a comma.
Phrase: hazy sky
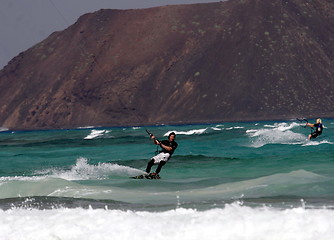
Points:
[[23, 23]]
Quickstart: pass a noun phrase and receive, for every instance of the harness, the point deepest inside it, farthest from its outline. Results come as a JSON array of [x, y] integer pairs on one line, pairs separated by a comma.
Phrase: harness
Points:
[[319, 128]]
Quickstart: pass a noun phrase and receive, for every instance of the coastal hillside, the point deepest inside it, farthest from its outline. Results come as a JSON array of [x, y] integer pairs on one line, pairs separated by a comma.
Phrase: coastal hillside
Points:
[[227, 61]]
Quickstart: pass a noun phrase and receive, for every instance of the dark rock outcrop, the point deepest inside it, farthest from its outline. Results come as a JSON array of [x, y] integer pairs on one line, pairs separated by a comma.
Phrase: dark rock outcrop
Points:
[[226, 61]]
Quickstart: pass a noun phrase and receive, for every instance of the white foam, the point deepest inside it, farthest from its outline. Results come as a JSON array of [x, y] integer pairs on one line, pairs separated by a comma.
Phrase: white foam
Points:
[[21, 178], [87, 127], [231, 128], [84, 171], [279, 133], [235, 222], [96, 133], [190, 132], [63, 183], [316, 143]]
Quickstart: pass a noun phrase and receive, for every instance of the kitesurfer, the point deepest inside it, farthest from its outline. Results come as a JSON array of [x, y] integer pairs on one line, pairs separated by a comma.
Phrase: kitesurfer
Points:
[[317, 128], [167, 149]]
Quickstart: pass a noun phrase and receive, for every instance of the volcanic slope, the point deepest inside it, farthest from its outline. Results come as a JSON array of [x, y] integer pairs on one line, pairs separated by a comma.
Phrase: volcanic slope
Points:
[[226, 61]]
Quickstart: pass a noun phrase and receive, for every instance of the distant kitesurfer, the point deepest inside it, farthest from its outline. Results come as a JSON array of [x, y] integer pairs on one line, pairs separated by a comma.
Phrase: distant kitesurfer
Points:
[[318, 128], [167, 149]]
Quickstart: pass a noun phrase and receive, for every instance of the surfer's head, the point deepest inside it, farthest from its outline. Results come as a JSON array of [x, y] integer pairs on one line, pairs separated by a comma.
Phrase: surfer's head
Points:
[[171, 136], [318, 120]]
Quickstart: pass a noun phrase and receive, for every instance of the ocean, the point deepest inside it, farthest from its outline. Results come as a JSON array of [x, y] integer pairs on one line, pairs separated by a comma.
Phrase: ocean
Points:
[[235, 180]]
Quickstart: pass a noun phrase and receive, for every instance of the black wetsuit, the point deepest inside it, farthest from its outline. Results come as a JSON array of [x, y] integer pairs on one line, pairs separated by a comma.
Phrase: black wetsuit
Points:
[[318, 130], [168, 143], [171, 144]]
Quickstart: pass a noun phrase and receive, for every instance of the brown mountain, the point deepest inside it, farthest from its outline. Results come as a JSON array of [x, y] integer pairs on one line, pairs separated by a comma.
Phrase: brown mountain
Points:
[[226, 61]]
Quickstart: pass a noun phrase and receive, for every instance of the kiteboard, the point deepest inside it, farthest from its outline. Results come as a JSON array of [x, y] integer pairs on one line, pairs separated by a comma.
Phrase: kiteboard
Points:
[[147, 176]]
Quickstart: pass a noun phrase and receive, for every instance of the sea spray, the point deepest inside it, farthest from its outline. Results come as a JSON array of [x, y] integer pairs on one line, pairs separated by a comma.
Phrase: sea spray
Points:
[[235, 222]]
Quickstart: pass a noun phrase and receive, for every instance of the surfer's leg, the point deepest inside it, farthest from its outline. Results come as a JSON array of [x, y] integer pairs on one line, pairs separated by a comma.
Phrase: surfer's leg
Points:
[[149, 166], [162, 163], [313, 135]]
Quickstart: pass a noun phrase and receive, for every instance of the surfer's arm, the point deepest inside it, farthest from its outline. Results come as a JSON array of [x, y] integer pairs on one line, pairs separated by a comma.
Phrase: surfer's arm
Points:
[[166, 147], [155, 141], [310, 124]]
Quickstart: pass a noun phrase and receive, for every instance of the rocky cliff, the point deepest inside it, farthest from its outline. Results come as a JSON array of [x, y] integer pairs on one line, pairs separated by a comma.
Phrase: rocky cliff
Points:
[[224, 61]]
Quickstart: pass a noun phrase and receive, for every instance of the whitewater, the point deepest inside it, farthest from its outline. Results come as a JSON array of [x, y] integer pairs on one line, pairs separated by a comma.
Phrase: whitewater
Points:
[[236, 180]]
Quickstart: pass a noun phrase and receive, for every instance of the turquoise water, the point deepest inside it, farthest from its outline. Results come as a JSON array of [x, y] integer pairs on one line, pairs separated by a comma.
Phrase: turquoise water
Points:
[[258, 163], [256, 180]]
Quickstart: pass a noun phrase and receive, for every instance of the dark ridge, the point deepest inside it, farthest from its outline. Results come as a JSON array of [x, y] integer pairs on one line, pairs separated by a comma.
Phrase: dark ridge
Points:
[[239, 60]]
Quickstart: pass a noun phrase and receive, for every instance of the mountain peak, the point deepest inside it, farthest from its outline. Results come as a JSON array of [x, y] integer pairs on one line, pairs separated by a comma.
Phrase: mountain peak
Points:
[[225, 61]]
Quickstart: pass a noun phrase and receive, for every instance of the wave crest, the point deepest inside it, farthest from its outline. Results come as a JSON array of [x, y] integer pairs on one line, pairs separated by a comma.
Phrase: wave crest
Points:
[[82, 170]]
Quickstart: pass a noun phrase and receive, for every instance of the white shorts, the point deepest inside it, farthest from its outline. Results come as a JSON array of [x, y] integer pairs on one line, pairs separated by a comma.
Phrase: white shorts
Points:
[[161, 157]]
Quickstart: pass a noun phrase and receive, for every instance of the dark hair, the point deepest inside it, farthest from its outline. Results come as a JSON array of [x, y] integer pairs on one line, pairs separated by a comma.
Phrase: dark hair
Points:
[[172, 133]]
